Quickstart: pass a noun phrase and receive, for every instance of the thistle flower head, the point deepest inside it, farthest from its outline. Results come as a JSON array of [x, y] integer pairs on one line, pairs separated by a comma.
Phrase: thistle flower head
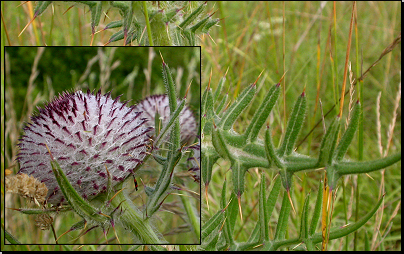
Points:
[[160, 104], [86, 133]]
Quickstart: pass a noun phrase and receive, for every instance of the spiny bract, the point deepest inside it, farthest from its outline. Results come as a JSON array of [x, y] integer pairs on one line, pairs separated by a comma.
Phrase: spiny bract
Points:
[[86, 133]]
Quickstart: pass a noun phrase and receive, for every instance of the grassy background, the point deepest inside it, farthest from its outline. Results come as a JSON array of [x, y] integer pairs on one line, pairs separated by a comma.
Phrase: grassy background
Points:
[[253, 38], [133, 72]]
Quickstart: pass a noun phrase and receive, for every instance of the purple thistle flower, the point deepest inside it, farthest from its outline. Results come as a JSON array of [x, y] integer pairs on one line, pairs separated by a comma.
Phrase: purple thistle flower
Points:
[[85, 132], [160, 103]]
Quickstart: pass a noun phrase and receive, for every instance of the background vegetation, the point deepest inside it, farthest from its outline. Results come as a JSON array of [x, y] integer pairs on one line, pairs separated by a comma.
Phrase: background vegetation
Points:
[[311, 47]]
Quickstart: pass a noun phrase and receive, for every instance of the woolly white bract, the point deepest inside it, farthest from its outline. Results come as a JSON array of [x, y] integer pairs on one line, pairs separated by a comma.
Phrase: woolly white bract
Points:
[[86, 133]]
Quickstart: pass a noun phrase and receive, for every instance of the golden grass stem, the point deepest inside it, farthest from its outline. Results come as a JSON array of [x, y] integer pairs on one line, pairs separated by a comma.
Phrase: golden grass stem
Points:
[[348, 51]]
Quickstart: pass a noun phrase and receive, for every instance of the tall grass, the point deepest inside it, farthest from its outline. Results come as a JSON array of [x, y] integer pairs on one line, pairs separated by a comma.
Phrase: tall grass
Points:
[[310, 49]]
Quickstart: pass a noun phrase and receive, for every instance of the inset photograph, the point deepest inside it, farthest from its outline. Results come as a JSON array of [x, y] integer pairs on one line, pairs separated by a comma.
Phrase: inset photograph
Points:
[[102, 145]]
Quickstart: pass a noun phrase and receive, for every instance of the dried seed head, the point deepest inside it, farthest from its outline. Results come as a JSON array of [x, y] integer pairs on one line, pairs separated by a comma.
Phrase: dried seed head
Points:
[[43, 221], [160, 103], [27, 187], [84, 132]]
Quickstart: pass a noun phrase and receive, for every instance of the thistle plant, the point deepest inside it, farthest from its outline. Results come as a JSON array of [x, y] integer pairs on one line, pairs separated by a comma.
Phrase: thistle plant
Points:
[[148, 23], [82, 149], [246, 150]]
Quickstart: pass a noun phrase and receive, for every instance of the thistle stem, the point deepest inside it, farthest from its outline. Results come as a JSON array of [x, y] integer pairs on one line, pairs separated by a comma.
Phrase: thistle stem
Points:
[[132, 219]]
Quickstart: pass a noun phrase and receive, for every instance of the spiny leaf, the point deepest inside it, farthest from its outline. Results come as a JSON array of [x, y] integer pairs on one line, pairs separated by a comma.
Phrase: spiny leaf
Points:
[[294, 126], [338, 232], [304, 224], [192, 16], [349, 133], [283, 219], [263, 215], [328, 143], [79, 205], [262, 113], [237, 107], [345, 168], [270, 149], [317, 210]]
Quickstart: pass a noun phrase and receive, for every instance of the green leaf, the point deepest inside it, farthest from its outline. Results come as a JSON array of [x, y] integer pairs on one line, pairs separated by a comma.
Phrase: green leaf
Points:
[[237, 107], [238, 173], [41, 210], [231, 216], [270, 149], [214, 222], [173, 117], [198, 25], [338, 232], [304, 224], [220, 145], [219, 88], [349, 133], [328, 143], [283, 219], [345, 168], [317, 210], [263, 218], [191, 17], [209, 157], [116, 36], [221, 105], [10, 237], [79, 205], [367, 243], [262, 113], [114, 24], [41, 7], [170, 87], [95, 15], [209, 24], [294, 126]]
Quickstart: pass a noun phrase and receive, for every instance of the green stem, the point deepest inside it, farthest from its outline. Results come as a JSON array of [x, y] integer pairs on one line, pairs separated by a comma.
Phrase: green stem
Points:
[[132, 219], [146, 15], [192, 215]]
